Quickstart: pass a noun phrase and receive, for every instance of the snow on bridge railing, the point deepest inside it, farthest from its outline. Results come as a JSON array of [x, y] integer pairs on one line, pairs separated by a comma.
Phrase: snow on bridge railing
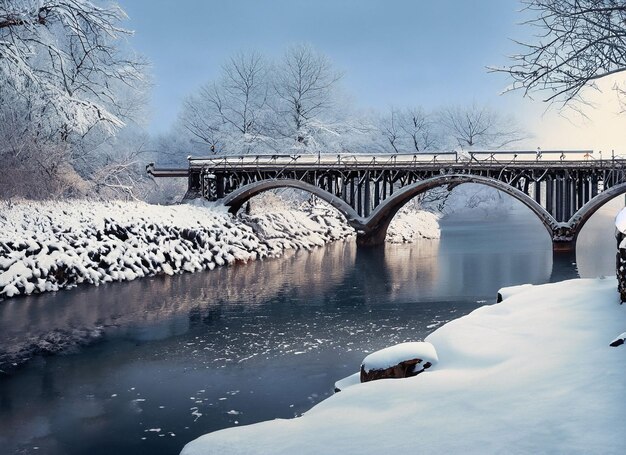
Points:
[[365, 159], [529, 155], [323, 159]]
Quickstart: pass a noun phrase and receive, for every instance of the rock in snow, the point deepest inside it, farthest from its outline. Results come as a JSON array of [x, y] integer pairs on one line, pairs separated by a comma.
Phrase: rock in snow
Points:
[[349, 381], [505, 293], [619, 340], [403, 360]]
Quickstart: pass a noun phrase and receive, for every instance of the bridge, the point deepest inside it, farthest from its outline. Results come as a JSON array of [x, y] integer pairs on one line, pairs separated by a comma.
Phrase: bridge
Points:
[[562, 188]]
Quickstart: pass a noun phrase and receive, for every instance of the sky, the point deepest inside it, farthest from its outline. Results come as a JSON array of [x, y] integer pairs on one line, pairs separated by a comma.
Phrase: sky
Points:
[[401, 53]]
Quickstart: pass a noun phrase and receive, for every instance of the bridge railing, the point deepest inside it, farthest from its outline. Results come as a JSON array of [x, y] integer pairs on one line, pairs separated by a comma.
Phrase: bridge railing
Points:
[[505, 156], [390, 160], [459, 161], [344, 159]]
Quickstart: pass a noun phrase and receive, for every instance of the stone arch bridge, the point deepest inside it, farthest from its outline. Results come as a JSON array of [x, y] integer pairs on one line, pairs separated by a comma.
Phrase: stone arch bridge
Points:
[[562, 188]]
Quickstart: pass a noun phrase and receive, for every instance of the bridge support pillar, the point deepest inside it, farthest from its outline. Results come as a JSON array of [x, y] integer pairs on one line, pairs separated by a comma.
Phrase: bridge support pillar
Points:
[[563, 265], [563, 245], [371, 238], [564, 238]]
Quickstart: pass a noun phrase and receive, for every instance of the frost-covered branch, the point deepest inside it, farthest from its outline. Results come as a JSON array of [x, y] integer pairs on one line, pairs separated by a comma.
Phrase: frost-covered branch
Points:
[[577, 43], [67, 54]]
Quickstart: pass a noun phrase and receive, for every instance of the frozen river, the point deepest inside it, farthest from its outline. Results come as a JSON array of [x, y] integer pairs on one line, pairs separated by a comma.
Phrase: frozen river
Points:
[[146, 366]]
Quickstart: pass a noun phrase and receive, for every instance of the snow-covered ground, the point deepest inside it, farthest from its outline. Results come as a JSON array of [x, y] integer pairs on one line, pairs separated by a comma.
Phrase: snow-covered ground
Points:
[[409, 225], [533, 374], [47, 246]]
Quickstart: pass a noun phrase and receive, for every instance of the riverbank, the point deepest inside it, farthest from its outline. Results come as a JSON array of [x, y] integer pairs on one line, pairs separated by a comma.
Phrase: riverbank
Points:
[[533, 374], [48, 246]]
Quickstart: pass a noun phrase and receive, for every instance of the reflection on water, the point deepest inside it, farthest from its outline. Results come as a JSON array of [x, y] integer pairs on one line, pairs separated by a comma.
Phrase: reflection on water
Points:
[[179, 356], [38, 321]]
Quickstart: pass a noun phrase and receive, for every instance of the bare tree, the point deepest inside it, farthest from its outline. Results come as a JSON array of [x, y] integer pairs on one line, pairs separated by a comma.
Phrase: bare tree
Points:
[[227, 114], [578, 42], [409, 130], [479, 126], [305, 87], [420, 129], [391, 130]]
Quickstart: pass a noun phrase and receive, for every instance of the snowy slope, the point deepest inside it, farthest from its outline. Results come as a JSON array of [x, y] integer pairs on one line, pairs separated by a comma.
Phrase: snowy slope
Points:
[[533, 374]]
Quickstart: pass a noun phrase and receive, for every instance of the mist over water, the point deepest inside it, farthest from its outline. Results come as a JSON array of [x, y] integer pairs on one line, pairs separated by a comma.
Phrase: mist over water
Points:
[[151, 364]]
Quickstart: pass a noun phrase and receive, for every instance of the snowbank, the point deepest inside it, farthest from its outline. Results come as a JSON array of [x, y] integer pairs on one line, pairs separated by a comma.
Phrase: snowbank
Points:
[[47, 246], [620, 221], [533, 374], [410, 224]]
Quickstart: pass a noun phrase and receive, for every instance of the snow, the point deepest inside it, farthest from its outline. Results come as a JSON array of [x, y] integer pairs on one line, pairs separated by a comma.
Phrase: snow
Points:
[[620, 221], [393, 355], [348, 381], [533, 374], [410, 224], [505, 293], [47, 246]]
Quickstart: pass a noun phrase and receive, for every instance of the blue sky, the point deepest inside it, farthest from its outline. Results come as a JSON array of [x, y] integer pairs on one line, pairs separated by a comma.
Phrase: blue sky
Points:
[[392, 53]]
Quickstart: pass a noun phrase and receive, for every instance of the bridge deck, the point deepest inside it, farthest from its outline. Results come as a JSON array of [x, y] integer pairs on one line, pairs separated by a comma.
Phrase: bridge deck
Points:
[[453, 161]]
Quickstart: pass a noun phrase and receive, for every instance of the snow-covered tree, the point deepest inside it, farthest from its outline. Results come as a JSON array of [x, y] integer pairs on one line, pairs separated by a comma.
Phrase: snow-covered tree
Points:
[[66, 80], [305, 88], [477, 125], [63, 55], [577, 43], [227, 115]]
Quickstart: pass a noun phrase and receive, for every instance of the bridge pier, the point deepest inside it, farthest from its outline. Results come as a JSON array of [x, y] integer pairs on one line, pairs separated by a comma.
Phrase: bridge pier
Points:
[[564, 238], [563, 265], [370, 237], [562, 246]]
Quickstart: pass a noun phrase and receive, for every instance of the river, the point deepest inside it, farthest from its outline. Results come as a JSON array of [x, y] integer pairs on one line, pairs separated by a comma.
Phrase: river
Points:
[[146, 366]]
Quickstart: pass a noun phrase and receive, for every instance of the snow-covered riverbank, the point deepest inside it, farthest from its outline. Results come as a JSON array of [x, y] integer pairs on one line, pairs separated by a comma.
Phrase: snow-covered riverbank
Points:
[[47, 246], [533, 374]]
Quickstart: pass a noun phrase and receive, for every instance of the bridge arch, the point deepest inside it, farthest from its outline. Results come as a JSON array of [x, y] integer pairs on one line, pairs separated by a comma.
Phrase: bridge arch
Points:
[[239, 197], [378, 222], [580, 218]]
